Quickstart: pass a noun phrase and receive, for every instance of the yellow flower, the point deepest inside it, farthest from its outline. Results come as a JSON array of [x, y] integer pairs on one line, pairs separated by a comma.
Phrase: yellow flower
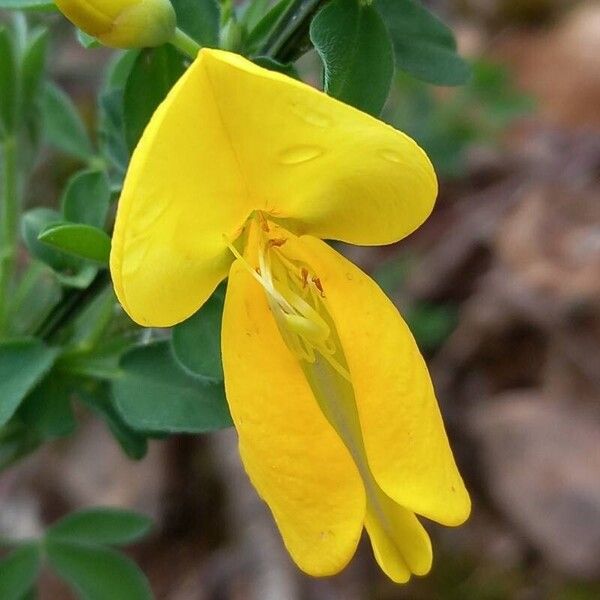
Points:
[[122, 23], [243, 171]]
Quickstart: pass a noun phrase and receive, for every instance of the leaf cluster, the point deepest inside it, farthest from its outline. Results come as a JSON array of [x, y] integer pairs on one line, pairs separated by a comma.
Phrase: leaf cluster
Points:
[[79, 548], [64, 340]]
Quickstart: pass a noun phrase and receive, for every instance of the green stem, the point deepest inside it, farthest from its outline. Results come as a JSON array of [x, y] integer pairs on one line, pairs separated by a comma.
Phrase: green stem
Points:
[[10, 218], [72, 305], [185, 44], [290, 40]]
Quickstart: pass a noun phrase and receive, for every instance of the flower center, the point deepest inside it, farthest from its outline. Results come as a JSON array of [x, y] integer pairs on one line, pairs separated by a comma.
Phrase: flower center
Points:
[[294, 293]]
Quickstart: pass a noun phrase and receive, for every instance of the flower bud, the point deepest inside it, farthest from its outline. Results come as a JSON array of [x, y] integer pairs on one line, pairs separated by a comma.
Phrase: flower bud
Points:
[[123, 23]]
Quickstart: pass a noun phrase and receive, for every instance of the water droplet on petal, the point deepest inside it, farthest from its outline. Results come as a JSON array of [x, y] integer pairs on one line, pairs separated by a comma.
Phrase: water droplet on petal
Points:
[[391, 156], [299, 154], [312, 116]]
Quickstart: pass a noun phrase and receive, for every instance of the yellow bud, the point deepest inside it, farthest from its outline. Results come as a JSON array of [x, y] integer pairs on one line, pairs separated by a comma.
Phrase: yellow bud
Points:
[[123, 23]]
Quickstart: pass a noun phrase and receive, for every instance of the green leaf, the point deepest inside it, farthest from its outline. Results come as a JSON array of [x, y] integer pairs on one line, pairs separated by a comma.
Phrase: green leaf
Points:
[[47, 409], [253, 13], [133, 443], [104, 526], [63, 126], [32, 68], [28, 5], [87, 198], [155, 394], [112, 134], [71, 271], [33, 222], [83, 241], [97, 573], [423, 45], [199, 19], [19, 571], [8, 81], [23, 364], [152, 76], [119, 69], [432, 63], [410, 19], [111, 119], [197, 341], [357, 53], [261, 33]]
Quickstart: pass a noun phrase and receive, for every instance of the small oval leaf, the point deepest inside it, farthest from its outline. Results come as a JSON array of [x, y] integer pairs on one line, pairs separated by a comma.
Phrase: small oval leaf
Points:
[[97, 573], [87, 198], [23, 364], [424, 46], [107, 526], [19, 571], [197, 341], [155, 394], [83, 241], [63, 126], [152, 76], [357, 53]]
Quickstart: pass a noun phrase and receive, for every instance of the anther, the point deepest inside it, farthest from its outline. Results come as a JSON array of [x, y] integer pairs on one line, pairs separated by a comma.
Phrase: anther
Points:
[[304, 276], [318, 285], [276, 242]]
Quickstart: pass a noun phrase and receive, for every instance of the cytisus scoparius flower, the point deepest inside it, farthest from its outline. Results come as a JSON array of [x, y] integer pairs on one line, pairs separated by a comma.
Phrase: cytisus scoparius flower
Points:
[[241, 173]]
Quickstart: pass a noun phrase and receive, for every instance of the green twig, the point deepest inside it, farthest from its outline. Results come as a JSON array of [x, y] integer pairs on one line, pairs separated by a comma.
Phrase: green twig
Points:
[[290, 40], [72, 305], [185, 44]]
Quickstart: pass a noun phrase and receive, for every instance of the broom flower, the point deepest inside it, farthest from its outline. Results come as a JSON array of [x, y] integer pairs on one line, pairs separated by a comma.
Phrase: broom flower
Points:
[[241, 173]]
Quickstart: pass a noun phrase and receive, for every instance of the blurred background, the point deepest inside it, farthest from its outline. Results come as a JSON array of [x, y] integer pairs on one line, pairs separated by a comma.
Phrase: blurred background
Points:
[[502, 290]]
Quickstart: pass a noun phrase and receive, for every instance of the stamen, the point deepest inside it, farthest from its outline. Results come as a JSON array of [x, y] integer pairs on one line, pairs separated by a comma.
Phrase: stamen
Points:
[[268, 287], [295, 297], [263, 221]]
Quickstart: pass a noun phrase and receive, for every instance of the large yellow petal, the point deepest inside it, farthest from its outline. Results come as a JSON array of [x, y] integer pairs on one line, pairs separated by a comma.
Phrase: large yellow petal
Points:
[[182, 192], [324, 167], [232, 137], [405, 442], [293, 456]]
